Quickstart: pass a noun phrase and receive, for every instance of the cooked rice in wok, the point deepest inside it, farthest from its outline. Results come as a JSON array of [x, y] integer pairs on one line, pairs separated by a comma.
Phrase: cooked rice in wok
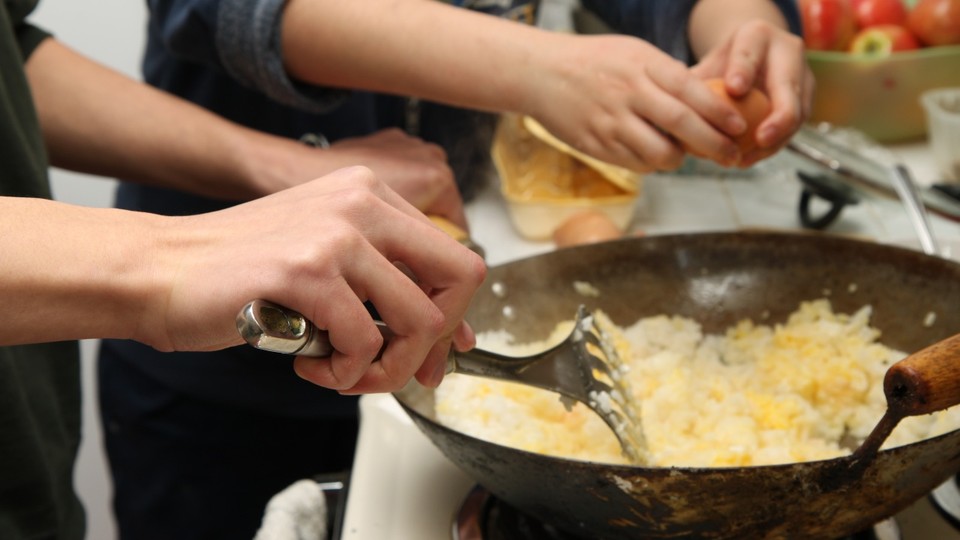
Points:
[[756, 395]]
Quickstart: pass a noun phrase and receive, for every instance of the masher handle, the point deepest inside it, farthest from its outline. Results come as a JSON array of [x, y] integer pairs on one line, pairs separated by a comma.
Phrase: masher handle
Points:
[[275, 328], [927, 381]]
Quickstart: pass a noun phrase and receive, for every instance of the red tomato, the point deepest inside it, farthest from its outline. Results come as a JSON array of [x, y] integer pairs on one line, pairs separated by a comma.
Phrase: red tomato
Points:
[[936, 22], [869, 13], [828, 25], [883, 39]]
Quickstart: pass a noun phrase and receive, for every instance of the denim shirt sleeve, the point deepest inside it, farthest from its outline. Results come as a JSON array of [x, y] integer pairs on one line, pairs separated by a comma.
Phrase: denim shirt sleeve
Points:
[[664, 23], [242, 39]]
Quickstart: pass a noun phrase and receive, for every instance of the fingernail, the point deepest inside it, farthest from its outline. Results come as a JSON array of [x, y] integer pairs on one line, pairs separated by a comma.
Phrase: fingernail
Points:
[[438, 373], [437, 378], [467, 335], [736, 124], [738, 83]]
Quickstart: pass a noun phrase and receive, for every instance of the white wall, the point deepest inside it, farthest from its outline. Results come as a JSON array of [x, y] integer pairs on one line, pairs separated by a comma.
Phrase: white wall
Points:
[[112, 32]]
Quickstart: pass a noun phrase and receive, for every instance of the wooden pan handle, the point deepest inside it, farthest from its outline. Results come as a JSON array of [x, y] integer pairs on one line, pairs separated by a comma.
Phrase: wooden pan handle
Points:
[[926, 381]]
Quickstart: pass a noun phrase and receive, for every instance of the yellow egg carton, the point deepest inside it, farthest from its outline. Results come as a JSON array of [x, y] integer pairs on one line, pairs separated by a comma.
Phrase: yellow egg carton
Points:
[[545, 181]]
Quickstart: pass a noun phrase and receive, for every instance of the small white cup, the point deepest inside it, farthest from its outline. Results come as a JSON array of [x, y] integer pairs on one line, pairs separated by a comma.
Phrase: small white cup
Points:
[[942, 106]]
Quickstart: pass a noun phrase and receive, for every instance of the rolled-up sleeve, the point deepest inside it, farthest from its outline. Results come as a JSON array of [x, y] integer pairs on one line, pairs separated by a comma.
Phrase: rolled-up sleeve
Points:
[[242, 39]]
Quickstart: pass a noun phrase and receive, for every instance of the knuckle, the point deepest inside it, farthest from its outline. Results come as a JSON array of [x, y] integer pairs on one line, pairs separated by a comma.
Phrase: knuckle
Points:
[[434, 322], [325, 254], [478, 270], [670, 162], [394, 384], [792, 117], [440, 173], [673, 78], [675, 118], [351, 181], [347, 369], [365, 179], [795, 42], [322, 372], [396, 374], [757, 25], [363, 194], [370, 345], [665, 160], [437, 150], [590, 141]]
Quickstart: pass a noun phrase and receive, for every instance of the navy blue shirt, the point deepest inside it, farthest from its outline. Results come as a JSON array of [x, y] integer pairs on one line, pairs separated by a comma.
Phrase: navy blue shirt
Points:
[[225, 55]]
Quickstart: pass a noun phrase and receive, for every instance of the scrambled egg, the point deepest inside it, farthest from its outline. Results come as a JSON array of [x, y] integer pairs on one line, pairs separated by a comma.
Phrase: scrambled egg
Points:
[[756, 395]]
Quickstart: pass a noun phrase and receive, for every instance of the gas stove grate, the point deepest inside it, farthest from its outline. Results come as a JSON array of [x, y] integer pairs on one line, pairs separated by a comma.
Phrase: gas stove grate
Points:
[[482, 516]]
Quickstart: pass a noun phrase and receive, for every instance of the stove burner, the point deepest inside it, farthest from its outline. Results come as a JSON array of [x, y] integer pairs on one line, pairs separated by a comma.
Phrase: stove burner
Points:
[[483, 516]]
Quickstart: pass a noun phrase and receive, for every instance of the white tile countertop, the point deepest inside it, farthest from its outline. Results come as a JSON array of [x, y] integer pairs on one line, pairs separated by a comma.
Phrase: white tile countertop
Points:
[[706, 198]]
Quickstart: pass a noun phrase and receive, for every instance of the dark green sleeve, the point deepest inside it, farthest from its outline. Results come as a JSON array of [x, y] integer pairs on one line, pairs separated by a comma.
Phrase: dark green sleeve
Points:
[[14, 15], [21, 147], [29, 36]]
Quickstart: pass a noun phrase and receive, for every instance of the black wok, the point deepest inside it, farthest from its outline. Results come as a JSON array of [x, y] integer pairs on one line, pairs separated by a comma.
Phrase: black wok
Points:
[[716, 279]]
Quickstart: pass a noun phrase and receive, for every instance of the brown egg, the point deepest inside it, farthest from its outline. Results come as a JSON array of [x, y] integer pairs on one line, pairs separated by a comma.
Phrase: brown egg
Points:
[[754, 106], [586, 227]]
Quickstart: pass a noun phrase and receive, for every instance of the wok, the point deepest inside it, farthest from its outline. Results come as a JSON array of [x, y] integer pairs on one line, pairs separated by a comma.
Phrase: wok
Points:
[[716, 279]]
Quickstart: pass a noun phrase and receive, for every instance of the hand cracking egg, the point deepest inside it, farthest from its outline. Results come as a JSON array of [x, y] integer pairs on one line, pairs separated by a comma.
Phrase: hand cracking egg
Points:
[[754, 106]]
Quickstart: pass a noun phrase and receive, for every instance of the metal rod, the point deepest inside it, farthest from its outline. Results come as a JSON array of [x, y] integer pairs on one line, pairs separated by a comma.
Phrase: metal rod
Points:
[[907, 190]]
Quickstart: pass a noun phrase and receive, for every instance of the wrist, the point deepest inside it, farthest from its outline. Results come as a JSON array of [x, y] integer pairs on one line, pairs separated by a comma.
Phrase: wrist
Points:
[[541, 76], [267, 164]]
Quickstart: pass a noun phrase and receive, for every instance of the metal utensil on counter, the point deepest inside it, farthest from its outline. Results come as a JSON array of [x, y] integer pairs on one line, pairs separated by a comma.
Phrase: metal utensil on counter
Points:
[[857, 162], [584, 367], [907, 189]]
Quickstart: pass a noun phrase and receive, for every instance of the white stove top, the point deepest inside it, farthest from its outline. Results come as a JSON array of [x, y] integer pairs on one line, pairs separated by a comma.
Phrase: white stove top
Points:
[[403, 488]]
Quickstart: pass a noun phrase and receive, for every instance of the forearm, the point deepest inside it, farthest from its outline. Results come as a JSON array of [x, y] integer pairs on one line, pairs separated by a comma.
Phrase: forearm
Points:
[[712, 21], [415, 47], [70, 272], [93, 121]]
